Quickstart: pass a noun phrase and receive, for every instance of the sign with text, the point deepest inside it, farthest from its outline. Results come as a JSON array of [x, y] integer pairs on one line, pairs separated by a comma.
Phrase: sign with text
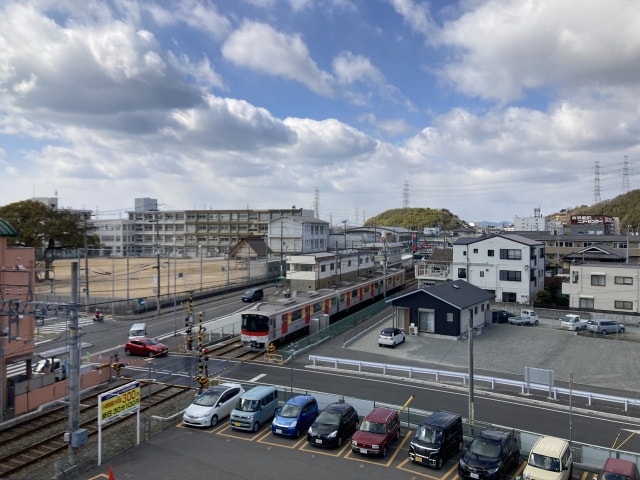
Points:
[[118, 401]]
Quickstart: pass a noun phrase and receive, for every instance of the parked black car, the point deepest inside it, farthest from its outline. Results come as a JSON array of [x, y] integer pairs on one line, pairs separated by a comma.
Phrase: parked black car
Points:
[[501, 316], [437, 439], [490, 456], [335, 424]]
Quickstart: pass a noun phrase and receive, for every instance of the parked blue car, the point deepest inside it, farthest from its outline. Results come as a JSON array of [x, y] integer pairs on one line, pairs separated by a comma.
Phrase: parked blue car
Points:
[[295, 416]]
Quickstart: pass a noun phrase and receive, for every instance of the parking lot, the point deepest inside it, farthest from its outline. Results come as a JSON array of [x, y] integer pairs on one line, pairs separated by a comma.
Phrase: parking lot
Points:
[[234, 454]]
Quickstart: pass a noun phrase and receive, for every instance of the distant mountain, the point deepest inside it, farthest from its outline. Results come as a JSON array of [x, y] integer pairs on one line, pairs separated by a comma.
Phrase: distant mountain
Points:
[[417, 219]]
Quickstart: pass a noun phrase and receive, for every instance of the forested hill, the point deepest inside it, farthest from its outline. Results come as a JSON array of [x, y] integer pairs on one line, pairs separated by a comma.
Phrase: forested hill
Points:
[[417, 219], [625, 206]]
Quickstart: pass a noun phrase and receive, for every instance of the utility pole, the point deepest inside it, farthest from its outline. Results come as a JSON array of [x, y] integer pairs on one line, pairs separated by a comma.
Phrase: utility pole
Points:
[[86, 262], [158, 262], [74, 363]]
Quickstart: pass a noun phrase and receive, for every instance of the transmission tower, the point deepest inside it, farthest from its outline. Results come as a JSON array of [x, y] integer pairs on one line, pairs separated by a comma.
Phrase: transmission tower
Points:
[[625, 176], [316, 203], [405, 195], [596, 184]]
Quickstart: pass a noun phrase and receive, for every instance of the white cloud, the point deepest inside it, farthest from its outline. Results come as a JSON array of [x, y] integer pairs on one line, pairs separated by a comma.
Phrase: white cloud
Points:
[[260, 47]]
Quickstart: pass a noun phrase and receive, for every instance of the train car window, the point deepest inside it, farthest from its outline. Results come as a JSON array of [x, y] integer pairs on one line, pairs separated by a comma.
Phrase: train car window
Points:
[[295, 315], [354, 293], [317, 307], [342, 298]]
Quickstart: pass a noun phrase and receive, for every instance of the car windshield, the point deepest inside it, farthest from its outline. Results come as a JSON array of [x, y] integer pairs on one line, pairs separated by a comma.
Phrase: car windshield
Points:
[[485, 448], [329, 418], [290, 411], [372, 427], [208, 399], [428, 435], [246, 405], [546, 463], [613, 476]]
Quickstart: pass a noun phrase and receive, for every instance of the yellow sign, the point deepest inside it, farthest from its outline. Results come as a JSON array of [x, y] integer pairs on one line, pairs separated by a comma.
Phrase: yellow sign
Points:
[[118, 401]]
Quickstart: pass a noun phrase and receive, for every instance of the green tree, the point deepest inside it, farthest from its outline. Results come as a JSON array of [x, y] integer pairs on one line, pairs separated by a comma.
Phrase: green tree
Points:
[[47, 230], [417, 219]]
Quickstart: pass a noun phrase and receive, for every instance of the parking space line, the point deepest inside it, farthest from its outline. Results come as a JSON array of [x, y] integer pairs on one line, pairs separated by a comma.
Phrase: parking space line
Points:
[[421, 470], [227, 431], [296, 445], [335, 452]]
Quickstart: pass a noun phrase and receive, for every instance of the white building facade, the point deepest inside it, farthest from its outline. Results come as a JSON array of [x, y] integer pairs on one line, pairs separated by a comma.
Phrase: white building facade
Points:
[[508, 265], [604, 286]]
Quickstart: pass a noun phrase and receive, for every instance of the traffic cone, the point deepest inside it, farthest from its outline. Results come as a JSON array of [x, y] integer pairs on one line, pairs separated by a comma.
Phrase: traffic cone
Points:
[[111, 475]]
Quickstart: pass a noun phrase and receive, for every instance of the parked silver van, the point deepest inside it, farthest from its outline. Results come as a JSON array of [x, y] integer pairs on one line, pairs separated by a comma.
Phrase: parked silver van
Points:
[[255, 408]]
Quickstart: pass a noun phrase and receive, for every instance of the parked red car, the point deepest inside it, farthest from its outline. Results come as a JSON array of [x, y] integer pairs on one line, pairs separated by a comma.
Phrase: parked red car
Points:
[[147, 347], [619, 469], [379, 428]]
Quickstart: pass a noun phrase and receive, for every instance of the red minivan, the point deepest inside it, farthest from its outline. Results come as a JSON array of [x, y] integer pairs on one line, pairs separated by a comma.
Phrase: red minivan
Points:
[[379, 428]]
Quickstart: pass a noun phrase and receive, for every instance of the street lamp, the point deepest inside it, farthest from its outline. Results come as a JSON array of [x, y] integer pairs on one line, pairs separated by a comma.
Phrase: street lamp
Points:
[[293, 356]]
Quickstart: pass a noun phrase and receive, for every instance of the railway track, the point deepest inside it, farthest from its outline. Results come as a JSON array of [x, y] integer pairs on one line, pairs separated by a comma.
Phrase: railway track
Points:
[[28, 444]]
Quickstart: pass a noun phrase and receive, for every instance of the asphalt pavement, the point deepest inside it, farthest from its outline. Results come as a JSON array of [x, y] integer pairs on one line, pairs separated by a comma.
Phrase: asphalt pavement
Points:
[[608, 362]]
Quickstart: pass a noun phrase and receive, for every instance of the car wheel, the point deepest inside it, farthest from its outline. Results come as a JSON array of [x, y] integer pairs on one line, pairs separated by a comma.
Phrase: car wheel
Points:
[[536, 323], [380, 345], [150, 354], [404, 339], [296, 433], [127, 351], [604, 332], [439, 463], [255, 427], [339, 441], [214, 421], [622, 330], [394, 344], [460, 446], [383, 454]]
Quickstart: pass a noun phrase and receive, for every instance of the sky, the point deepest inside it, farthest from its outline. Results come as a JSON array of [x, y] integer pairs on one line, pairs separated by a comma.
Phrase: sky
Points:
[[488, 108]]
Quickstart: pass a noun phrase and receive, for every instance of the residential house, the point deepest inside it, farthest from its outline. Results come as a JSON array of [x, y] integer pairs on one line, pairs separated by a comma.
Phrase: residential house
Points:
[[447, 309]]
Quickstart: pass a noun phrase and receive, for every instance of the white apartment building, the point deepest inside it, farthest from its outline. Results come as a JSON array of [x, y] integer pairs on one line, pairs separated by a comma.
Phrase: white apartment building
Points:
[[508, 265], [324, 270], [297, 235], [604, 286]]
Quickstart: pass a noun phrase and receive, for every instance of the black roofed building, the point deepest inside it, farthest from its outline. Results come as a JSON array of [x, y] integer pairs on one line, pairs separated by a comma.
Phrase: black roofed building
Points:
[[444, 309]]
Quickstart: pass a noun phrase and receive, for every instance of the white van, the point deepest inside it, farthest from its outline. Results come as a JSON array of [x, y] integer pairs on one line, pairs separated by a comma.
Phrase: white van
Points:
[[255, 408], [550, 459], [138, 330]]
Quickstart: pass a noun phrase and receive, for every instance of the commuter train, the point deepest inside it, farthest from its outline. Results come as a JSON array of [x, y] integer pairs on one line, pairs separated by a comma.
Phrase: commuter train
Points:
[[275, 321]]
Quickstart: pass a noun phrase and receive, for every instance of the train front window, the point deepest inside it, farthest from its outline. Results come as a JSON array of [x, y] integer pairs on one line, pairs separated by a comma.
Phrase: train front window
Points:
[[255, 323]]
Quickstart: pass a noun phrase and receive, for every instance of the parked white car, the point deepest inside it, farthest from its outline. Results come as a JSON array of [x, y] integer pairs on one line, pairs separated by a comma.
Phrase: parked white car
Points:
[[212, 405], [390, 337], [573, 322]]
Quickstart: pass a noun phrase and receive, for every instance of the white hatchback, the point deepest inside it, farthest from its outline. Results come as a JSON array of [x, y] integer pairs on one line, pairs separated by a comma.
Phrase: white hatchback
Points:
[[213, 404], [390, 337]]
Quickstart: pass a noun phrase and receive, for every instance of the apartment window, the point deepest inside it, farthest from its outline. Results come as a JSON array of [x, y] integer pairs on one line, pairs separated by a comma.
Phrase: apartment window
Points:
[[510, 254], [586, 303], [490, 253], [598, 280], [622, 305], [510, 275], [462, 273], [623, 280], [475, 250], [481, 274]]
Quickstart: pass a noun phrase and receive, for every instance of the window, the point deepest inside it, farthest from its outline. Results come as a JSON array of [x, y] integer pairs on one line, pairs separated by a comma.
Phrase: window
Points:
[[586, 303], [598, 280], [462, 273], [475, 250], [623, 280], [510, 275], [490, 253], [622, 305], [481, 273], [510, 254]]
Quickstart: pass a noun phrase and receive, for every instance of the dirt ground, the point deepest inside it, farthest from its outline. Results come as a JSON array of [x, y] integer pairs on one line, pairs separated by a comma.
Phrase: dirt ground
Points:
[[112, 278]]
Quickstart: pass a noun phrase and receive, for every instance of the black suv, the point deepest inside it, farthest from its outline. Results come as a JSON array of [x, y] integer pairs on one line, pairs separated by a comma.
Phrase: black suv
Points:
[[437, 439], [490, 455]]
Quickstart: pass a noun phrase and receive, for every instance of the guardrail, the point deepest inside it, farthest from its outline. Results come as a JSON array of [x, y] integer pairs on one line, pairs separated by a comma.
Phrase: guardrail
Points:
[[444, 375]]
